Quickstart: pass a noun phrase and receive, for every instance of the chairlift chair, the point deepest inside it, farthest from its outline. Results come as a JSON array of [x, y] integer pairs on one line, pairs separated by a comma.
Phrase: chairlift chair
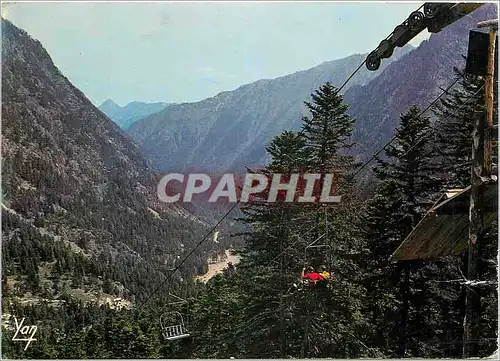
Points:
[[314, 245], [178, 330], [175, 332]]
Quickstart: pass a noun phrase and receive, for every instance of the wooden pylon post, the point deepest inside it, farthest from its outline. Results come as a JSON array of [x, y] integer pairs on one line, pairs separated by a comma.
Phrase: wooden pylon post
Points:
[[472, 300], [480, 171], [488, 94]]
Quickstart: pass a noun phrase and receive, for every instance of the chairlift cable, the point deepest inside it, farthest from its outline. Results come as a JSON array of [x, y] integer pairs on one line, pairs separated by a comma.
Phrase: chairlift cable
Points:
[[454, 113], [187, 256], [361, 65], [395, 136]]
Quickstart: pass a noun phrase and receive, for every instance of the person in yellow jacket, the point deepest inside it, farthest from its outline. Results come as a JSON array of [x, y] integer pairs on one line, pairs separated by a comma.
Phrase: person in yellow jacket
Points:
[[324, 273]]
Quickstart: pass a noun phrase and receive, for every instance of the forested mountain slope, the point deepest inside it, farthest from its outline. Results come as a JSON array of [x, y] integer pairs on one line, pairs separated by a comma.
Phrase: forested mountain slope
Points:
[[80, 214]]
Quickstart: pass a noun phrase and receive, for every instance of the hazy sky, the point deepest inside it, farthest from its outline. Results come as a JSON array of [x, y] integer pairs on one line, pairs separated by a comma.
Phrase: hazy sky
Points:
[[188, 51]]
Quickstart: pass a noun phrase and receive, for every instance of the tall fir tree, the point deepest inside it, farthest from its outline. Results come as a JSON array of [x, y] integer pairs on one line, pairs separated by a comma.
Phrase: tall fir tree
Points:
[[453, 129], [408, 185], [268, 265], [291, 324], [327, 132]]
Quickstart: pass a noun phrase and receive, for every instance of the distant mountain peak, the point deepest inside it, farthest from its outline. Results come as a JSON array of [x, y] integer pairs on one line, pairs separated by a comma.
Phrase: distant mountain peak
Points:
[[110, 108], [125, 116], [109, 102]]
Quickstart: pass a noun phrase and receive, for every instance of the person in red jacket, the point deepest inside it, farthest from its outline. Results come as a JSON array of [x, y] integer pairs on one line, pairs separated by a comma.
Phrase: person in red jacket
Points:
[[309, 274]]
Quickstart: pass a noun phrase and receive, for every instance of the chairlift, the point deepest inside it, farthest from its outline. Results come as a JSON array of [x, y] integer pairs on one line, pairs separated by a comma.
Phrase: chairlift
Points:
[[314, 245], [178, 330], [325, 234], [175, 332]]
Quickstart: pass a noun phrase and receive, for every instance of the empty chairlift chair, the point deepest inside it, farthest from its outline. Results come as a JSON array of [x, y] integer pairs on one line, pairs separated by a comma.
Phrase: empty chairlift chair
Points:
[[179, 329], [176, 332]]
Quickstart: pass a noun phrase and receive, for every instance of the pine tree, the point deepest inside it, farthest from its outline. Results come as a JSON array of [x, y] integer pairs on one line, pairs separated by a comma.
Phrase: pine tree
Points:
[[288, 152], [270, 263], [328, 130], [278, 321], [407, 188], [453, 130]]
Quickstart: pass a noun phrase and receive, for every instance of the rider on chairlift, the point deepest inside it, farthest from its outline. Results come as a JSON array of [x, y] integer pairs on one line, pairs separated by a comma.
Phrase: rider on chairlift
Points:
[[309, 274], [324, 273]]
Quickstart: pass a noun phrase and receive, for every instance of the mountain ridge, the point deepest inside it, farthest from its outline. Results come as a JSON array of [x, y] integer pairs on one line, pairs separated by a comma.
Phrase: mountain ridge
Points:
[[131, 112], [189, 134], [416, 79]]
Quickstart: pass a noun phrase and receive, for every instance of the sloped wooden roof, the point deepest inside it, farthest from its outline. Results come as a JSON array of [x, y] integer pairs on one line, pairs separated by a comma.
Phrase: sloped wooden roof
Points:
[[444, 230]]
